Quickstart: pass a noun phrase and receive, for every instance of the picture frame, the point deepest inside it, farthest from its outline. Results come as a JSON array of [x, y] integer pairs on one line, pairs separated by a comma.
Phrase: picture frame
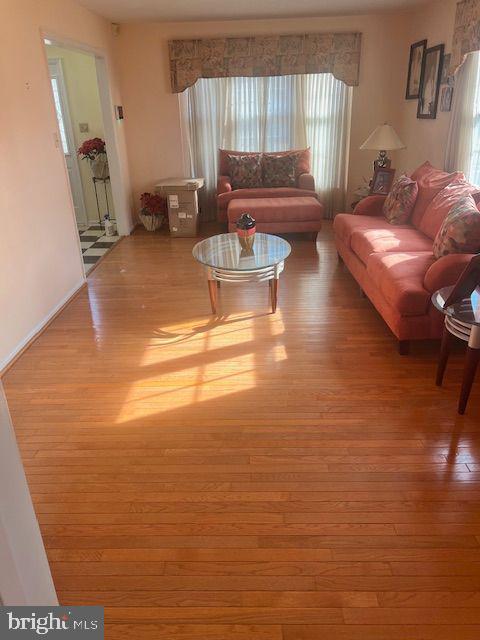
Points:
[[430, 82], [382, 181], [467, 283], [446, 68], [446, 97], [415, 64]]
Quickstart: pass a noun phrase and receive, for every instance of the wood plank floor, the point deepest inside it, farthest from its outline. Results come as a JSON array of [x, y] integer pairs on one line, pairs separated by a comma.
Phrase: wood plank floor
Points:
[[254, 476]]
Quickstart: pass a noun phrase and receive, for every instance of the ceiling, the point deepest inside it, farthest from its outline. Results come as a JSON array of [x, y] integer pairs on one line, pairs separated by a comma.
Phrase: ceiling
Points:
[[183, 10]]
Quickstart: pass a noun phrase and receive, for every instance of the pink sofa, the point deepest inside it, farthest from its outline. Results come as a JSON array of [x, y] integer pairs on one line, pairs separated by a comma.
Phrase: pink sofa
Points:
[[305, 186], [394, 265]]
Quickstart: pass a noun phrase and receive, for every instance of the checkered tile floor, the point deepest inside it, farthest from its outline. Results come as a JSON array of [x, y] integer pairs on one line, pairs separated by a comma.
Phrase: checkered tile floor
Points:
[[95, 244]]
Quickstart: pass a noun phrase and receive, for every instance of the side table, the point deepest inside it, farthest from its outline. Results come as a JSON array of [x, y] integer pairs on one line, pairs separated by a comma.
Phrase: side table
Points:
[[462, 320], [104, 180]]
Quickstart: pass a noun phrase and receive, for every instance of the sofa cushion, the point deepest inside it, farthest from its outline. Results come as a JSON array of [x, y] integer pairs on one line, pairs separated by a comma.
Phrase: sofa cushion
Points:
[[245, 171], [399, 203], [279, 171], [302, 155], [437, 210], [275, 192], [276, 209], [395, 238], [430, 182], [345, 224], [400, 277], [460, 231]]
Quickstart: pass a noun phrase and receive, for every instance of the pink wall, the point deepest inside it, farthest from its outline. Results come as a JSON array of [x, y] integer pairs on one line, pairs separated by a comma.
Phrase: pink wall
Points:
[[152, 111], [36, 276], [425, 139], [40, 262]]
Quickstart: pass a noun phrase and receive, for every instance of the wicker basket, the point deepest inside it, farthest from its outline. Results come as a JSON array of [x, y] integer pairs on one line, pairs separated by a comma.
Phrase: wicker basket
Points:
[[151, 223]]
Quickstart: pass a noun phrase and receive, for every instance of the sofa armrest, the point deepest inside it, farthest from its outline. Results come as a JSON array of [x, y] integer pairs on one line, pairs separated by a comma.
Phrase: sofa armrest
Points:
[[306, 181], [223, 184], [445, 271], [370, 206]]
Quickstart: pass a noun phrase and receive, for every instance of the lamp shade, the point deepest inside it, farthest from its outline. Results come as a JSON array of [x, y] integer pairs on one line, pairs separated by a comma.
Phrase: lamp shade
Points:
[[384, 138]]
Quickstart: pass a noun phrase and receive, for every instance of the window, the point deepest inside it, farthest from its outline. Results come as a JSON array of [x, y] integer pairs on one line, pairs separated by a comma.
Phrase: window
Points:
[[58, 109], [463, 145], [473, 170], [271, 114]]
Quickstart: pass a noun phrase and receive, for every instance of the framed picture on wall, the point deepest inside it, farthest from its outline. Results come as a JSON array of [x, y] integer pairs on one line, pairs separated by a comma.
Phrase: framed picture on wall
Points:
[[446, 68], [417, 51], [430, 82], [382, 181], [446, 97]]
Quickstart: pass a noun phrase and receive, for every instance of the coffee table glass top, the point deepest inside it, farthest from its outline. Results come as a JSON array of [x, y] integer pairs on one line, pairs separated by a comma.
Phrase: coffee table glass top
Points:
[[224, 252], [467, 310]]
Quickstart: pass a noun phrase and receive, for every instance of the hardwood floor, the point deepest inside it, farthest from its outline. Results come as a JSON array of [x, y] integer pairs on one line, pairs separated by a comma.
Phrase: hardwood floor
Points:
[[254, 476]]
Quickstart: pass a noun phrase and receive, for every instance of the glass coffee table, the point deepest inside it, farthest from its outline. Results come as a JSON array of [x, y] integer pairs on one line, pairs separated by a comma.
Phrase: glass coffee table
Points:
[[225, 261]]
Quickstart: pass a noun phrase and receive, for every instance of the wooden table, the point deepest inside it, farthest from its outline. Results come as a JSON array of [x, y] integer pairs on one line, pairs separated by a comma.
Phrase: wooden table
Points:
[[462, 320], [225, 261]]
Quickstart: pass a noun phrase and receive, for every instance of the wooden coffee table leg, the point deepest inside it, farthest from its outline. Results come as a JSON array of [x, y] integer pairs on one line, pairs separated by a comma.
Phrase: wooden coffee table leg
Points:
[[212, 290], [273, 284], [444, 354]]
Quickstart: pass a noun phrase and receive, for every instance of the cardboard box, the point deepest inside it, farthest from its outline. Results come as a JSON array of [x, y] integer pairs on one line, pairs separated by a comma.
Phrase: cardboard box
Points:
[[182, 203]]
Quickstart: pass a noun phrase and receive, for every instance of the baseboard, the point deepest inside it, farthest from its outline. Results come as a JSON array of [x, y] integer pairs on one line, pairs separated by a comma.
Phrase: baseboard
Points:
[[40, 328]]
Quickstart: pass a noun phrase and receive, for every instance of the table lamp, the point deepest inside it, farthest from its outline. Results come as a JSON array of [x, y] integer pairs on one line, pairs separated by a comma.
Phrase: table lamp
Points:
[[383, 139]]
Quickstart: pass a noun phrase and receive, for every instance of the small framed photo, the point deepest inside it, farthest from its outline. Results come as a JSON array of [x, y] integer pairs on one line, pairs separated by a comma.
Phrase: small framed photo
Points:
[[445, 68], [382, 181], [430, 82], [417, 51], [446, 96]]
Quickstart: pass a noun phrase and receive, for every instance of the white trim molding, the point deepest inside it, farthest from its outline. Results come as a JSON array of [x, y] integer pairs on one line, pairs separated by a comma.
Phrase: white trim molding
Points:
[[40, 326]]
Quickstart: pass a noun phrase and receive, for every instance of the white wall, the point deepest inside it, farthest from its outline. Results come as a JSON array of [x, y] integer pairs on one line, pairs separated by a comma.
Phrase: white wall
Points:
[[25, 576], [40, 260]]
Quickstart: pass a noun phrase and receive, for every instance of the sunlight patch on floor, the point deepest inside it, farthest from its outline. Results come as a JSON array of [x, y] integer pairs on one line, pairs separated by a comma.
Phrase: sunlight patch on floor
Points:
[[184, 363]]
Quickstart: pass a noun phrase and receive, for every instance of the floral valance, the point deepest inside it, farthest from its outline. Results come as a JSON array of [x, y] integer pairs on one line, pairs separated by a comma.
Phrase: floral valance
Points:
[[466, 35], [336, 53]]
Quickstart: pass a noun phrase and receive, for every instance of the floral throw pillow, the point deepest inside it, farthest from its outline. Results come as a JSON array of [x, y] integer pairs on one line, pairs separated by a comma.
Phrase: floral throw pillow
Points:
[[245, 171], [460, 231], [400, 202], [280, 171]]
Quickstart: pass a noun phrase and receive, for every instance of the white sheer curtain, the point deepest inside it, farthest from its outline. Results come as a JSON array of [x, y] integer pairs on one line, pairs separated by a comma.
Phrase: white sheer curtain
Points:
[[270, 114], [463, 145]]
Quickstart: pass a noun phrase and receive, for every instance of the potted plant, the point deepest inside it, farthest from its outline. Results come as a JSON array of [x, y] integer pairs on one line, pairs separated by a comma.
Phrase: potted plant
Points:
[[153, 209], [94, 151]]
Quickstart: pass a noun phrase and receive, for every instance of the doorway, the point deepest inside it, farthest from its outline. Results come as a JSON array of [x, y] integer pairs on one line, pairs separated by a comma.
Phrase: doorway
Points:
[[78, 107]]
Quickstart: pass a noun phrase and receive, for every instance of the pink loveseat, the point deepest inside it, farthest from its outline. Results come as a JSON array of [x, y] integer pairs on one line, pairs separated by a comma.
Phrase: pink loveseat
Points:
[[394, 265], [305, 186]]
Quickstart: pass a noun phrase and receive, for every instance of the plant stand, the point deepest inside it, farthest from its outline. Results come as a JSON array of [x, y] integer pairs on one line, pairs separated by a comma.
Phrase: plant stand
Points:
[[104, 180]]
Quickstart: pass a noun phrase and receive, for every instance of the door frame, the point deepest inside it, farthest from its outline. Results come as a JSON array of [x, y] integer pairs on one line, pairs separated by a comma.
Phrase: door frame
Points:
[[118, 172], [57, 66]]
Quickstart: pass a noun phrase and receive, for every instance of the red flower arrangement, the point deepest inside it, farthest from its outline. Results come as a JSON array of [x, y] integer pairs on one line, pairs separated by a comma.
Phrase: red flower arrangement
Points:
[[92, 148], [153, 204]]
